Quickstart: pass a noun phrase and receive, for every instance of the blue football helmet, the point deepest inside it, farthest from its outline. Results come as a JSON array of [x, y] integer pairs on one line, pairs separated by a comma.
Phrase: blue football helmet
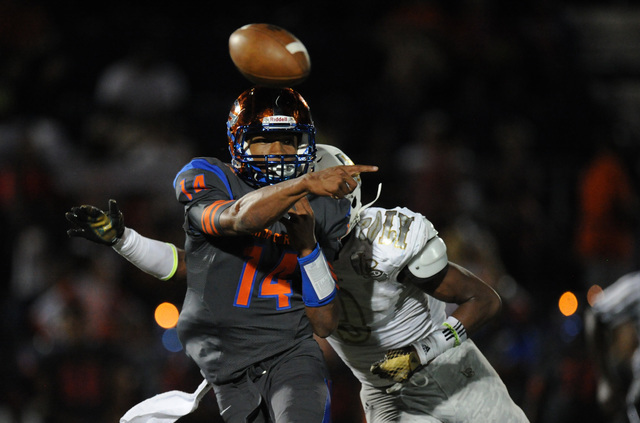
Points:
[[267, 111]]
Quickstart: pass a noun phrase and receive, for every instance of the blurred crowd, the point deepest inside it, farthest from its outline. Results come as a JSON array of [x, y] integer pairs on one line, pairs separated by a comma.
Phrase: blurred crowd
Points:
[[489, 117]]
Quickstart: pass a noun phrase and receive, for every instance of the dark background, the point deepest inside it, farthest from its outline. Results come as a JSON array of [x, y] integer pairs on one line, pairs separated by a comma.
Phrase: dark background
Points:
[[482, 115]]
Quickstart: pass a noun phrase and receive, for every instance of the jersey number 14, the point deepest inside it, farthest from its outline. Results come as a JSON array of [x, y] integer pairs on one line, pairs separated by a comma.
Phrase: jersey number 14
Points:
[[276, 284]]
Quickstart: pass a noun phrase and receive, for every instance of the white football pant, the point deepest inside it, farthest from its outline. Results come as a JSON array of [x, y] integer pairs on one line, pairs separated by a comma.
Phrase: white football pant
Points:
[[458, 386]]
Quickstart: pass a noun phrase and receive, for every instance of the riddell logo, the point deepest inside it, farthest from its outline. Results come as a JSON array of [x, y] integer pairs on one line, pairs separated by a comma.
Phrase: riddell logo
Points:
[[278, 119]]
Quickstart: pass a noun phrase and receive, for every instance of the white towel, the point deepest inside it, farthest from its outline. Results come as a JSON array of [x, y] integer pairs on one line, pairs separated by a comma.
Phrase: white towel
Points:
[[166, 407]]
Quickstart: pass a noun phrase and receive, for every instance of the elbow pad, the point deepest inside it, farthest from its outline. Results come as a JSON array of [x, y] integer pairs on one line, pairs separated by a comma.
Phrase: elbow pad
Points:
[[430, 260]]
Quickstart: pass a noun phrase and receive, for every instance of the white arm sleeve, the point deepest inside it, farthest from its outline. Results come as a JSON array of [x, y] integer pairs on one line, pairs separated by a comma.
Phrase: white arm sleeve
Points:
[[159, 259]]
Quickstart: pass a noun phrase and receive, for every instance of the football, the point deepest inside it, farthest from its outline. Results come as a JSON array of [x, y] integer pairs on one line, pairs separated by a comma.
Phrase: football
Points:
[[269, 55]]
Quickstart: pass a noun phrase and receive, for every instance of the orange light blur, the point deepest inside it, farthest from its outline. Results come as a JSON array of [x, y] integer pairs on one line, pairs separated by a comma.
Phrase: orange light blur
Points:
[[166, 315], [593, 293], [568, 303]]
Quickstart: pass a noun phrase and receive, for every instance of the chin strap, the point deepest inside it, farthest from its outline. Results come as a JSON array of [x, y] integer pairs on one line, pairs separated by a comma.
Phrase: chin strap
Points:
[[366, 206]]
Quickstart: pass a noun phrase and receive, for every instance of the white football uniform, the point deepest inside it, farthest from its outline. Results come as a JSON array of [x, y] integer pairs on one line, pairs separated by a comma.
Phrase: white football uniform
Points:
[[617, 304], [380, 313]]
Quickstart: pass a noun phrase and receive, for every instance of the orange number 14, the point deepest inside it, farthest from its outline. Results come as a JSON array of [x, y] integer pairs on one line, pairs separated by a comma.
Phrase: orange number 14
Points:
[[276, 284]]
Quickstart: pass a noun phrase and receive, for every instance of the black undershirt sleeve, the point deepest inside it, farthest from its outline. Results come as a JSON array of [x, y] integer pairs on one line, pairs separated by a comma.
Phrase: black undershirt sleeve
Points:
[[426, 284]]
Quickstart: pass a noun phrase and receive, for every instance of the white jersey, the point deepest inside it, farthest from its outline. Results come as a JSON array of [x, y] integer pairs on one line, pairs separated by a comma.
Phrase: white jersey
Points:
[[379, 313]]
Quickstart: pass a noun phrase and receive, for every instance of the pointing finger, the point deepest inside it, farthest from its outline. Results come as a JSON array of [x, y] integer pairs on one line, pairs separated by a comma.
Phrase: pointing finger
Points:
[[354, 170]]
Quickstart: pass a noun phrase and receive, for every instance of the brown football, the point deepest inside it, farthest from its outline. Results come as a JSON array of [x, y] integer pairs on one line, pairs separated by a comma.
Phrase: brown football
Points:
[[269, 55]]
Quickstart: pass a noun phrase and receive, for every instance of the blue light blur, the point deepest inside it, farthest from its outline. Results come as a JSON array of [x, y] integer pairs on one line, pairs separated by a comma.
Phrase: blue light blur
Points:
[[571, 327], [170, 340]]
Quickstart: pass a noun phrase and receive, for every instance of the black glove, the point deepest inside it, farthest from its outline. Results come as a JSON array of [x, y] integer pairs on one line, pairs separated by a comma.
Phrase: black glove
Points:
[[96, 225]]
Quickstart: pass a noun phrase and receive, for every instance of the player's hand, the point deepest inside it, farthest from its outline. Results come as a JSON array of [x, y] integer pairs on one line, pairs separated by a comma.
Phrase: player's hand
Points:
[[95, 225], [336, 181], [401, 366], [398, 365], [300, 224]]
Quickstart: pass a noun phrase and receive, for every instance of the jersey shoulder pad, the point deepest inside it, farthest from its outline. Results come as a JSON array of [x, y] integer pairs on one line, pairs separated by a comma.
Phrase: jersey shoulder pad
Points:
[[396, 236], [430, 260], [202, 176]]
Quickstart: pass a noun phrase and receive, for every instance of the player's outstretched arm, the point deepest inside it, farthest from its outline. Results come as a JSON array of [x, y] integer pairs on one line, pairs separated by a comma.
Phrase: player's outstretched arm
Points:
[[165, 261], [160, 259], [261, 208], [318, 281]]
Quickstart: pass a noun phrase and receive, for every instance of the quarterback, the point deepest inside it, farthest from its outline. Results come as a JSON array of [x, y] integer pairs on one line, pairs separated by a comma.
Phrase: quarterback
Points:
[[415, 363], [256, 294]]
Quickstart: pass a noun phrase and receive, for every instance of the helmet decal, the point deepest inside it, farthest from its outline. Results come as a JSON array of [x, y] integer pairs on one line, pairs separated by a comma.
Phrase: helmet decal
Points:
[[267, 120]]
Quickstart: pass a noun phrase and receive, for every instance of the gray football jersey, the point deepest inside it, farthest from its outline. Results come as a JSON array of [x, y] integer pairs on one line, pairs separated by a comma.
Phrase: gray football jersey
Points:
[[244, 302]]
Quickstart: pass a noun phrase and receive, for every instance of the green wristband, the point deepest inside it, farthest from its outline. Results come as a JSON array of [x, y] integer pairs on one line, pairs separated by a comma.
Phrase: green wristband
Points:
[[455, 334]]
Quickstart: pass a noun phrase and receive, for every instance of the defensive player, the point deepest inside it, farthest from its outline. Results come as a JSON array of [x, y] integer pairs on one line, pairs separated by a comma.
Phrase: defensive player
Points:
[[414, 362], [251, 284], [617, 306]]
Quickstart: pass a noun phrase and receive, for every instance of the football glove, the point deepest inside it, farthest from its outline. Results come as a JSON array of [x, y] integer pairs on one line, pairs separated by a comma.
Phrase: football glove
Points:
[[96, 225], [398, 365]]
